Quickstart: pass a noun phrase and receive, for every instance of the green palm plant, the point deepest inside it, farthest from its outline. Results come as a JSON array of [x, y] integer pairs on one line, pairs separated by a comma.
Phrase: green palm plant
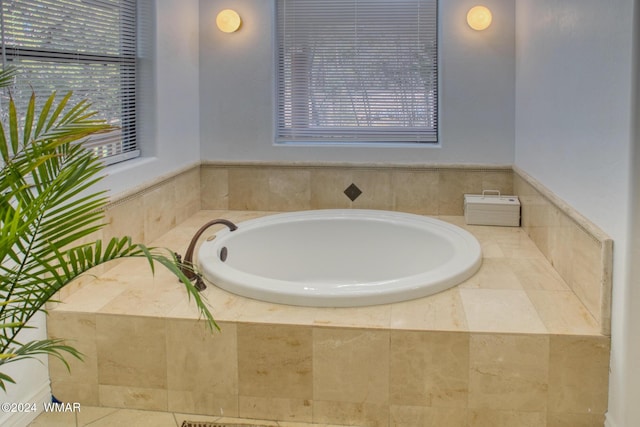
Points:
[[47, 212]]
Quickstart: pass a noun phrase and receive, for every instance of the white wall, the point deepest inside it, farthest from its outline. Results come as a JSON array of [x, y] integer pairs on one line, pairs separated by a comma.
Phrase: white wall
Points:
[[573, 134], [31, 379], [173, 140], [626, 388], [477, 91]]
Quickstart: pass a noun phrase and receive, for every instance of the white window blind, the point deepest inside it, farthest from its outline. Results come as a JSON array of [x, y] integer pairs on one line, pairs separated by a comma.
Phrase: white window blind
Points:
[[357, 71], [84, 46]]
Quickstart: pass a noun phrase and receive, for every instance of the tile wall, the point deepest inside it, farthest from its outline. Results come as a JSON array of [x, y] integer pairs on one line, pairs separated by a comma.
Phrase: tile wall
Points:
[[579, 251], [353, 376], [286, 187], [147, 213]]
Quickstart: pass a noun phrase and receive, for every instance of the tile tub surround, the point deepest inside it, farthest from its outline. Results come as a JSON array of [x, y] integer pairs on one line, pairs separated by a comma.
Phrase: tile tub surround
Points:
[[511, 346], [577, 249], [427, 190], [152, 209], [147, 212], [580, 252]]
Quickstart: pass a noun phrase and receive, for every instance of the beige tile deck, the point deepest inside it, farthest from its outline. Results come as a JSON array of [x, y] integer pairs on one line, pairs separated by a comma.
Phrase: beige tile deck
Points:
[[516, 290]]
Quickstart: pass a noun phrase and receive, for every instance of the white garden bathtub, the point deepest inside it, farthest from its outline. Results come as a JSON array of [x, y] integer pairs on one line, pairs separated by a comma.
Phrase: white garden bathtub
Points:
[[340, 258]]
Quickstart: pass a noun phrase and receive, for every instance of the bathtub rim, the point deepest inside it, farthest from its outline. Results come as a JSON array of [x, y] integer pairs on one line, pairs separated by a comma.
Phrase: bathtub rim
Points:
[[219, 274]]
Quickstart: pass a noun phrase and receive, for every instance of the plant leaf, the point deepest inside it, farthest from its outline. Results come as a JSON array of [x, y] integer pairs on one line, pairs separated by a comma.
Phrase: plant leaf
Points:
[[13, 126], [48, 213], [28, 121]]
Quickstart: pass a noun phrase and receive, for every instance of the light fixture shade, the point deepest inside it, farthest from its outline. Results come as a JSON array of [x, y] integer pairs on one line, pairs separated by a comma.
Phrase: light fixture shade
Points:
[[479, 18], [228, 21]]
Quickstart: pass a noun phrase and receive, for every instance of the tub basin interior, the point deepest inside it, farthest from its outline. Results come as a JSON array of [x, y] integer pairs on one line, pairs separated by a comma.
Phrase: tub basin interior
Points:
[[340, 257]]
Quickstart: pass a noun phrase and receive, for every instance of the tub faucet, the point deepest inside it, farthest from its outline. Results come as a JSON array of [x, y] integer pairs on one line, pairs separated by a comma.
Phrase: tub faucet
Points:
[[186, 264]]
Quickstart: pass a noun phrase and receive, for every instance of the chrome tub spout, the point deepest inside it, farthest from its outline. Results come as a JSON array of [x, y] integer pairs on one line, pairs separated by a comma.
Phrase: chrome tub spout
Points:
[[186, 265]]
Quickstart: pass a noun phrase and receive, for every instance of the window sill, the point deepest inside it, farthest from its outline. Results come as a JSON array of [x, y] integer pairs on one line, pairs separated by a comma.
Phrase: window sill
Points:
[[358, 144]]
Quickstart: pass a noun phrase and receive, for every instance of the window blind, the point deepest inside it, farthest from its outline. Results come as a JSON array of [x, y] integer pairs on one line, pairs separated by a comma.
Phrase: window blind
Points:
[[357, 71], [84, 46]]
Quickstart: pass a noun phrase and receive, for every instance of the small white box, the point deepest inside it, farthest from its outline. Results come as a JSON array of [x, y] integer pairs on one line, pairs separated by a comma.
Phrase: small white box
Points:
[[491, 209]]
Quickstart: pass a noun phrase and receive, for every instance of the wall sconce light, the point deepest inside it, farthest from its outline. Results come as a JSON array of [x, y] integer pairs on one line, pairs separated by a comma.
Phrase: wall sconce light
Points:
[[479, 18], [228, 21]]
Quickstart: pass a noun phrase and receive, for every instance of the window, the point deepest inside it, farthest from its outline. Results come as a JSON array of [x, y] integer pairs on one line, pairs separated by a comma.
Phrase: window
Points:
[[86, 46], [357, 71]]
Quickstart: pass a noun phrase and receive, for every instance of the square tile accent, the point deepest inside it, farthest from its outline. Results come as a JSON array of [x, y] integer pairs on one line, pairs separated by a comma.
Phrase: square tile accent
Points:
[[352, 192]]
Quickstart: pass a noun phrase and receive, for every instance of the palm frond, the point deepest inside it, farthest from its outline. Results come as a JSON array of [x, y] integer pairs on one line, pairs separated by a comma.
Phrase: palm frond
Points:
[[4, 378], [52, 347], [7, 76], [47, 213]]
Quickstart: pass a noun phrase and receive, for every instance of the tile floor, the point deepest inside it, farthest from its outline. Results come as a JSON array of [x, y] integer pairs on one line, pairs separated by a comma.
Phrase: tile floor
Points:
[[109, 417]]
